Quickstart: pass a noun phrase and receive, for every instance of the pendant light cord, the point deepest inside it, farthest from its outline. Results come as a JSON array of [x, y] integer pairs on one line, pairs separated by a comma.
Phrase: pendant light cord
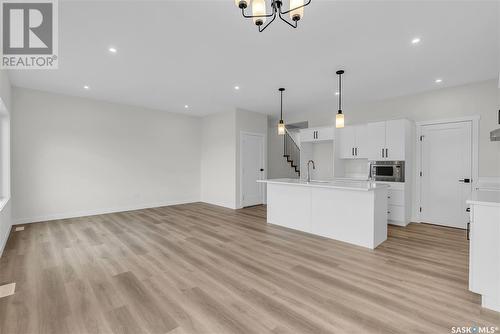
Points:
[[340, 92], [281, 113]]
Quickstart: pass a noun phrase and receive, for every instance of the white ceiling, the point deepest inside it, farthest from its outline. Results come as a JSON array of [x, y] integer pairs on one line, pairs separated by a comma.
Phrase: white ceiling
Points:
[[172, 53]]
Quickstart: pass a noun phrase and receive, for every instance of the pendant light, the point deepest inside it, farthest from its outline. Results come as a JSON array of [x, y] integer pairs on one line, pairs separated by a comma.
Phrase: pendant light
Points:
[[281, 124], [260, 15], [339, 119]]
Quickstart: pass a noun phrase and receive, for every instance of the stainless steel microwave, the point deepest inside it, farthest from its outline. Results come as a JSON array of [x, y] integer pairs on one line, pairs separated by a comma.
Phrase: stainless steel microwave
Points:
[[389, 171]]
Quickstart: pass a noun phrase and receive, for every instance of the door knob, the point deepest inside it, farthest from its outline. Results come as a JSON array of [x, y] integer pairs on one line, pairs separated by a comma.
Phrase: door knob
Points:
[[262, 169], [464, 180]]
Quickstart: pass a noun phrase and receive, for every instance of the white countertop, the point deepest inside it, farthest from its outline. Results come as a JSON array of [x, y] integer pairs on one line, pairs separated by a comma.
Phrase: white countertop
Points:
[[336, 184], [488, 186], [485, 197]]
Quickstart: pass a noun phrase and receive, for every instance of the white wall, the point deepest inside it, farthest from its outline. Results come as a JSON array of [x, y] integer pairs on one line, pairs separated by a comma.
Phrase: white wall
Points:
[[248, 121], [75, 156], [5, 205], [481, 99], [218, 159]]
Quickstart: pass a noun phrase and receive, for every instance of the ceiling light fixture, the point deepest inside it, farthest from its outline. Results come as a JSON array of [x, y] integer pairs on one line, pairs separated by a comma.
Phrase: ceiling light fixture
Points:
[[237, 87], [336, 93], [186, 106], [416, 40], [339, 119], [281, 124], [438, 80], [86, 87], [113, 50], [259, 15]]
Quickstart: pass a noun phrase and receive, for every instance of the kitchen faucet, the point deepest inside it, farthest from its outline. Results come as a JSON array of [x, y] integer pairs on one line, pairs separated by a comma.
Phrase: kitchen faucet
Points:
[[308, 172]]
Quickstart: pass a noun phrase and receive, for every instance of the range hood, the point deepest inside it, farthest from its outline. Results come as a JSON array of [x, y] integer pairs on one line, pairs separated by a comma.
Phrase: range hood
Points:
[[495, 134]]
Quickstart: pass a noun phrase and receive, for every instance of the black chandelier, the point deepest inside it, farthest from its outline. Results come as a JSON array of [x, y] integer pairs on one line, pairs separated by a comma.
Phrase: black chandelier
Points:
[[260, 16]]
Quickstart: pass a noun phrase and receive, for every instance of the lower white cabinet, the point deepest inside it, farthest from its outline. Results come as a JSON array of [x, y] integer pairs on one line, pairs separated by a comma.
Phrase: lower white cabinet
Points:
[[396, 197], [398, 206], [484, 247], [396, 213]]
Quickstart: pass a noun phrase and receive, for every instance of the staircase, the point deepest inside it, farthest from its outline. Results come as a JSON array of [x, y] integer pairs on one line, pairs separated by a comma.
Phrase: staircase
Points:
[[291, 152]]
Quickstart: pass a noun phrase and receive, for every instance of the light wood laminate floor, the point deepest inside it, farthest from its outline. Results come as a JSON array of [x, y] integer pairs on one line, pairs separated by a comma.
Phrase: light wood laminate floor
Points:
[[198, 268]]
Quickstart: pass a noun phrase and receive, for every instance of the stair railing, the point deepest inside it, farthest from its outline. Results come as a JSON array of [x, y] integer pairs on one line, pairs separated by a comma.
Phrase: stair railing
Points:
[[291, 151]]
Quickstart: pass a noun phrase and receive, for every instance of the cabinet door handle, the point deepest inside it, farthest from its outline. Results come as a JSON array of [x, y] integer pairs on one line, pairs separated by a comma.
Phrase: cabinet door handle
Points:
[[353, 151], [356, 151], [383, 153], [468, 231], [386, 152]]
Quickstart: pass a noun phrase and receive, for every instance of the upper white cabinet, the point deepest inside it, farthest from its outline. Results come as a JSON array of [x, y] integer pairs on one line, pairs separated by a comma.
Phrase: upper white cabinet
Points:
[[395, 139], [316, 134], [361, 142], [387, 140], [352, 142]]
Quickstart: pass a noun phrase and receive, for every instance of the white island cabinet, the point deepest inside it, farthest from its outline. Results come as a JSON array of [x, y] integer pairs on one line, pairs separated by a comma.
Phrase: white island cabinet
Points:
[[484, 253], [353, 212]]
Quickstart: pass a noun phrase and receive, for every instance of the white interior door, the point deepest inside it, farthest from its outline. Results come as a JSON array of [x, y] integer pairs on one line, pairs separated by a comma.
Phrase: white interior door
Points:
[[252, 169], [446, 168]]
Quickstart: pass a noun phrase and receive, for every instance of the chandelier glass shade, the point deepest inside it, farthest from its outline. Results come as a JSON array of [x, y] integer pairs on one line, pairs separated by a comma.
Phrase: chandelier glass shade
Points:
[[260, 15], [339, 118]]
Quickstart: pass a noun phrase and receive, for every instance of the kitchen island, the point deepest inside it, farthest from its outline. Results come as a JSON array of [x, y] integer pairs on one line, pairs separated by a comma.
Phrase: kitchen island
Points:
[[351, 211], [484, 247]]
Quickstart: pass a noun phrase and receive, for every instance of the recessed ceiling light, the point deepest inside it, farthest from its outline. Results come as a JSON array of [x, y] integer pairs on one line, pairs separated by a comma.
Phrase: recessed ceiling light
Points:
[[336, 93], [186, 106], [113, 50], [237, 87], [86, 87], [438, 80], [416, 40]]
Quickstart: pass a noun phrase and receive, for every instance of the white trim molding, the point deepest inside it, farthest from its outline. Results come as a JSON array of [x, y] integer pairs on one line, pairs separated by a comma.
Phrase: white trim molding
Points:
[[86, 213], [474, 119]]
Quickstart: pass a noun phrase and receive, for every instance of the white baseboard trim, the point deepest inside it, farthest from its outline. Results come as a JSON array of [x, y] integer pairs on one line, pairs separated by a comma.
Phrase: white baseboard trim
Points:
[[223, 204], [397, 223], [4, 240], [94, 212], [5, 211]]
